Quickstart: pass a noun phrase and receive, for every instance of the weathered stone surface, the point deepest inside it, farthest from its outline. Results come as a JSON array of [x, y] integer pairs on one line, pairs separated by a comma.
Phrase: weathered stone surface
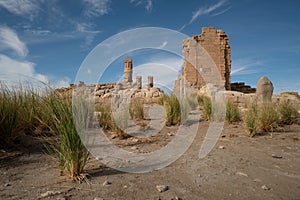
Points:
[[139, 82], [128, 70], [150, 82], [215, 42], [264, 90]]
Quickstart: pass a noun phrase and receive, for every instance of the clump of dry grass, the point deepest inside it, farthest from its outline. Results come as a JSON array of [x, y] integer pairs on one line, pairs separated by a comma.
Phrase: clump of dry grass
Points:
[[109, 122], [287, 112], [28, 110], [261, 118], [205, 104], [136, 110], [232, 113], [173, 110]]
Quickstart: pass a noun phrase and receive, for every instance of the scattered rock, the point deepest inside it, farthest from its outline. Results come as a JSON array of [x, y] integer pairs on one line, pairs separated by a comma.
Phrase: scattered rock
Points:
[[265, 187], [134, 148], [162, 188], [125, 186], [61, 198], [50, 193], [98, 198], [7, 184], [257, 180], [221, 147], [106, 183], [171, 133], [276, 156], [242, 174]]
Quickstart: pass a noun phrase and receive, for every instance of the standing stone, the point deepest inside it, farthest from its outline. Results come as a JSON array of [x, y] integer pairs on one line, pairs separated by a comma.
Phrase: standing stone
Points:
[[139, 81], [150, 82], [264, 90], [128, 70]]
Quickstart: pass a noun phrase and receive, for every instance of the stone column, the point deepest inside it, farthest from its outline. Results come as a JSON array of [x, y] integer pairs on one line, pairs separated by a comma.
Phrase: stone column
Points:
[[139, 81], [128, 70], [150, 82]]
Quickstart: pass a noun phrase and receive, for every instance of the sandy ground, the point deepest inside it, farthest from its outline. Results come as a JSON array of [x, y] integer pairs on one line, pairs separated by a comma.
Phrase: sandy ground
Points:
[[239, 167]]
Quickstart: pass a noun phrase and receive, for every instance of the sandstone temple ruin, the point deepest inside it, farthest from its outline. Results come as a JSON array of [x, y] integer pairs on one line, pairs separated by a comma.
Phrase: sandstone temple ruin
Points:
[[215, 42]]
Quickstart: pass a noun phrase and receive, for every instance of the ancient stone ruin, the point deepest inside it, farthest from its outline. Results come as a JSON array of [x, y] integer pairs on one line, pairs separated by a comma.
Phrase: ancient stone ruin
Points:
[[104, 92], [215, 42]]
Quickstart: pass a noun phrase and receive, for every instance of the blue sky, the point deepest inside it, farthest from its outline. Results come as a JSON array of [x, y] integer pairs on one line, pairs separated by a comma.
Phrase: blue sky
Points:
[[49, 40]]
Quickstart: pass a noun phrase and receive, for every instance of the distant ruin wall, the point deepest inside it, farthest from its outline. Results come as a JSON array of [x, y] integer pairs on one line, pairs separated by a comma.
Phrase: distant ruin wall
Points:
[[241, 87], [215, 42]]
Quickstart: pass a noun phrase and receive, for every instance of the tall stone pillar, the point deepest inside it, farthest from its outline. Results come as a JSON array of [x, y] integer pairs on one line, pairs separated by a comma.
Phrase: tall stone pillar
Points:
[[128, 70], [139, 81], [150, 82]]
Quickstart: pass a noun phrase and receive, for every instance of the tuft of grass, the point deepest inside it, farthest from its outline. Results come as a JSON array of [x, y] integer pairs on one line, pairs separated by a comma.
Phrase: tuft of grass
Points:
[[70, 151], [136, 110], [286, 112], [173, 112], [250, 120], [109, 122], [262, 118], [232, 113], [8, 114], [205, 104], [267, 117], [105, 118]]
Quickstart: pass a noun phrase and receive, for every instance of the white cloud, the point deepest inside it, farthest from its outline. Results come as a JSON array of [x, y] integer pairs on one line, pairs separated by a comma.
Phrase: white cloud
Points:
[[10, 40], [24, 8], [95, 8], [147, 3], [14, 72], [207, 10], [65, 82]]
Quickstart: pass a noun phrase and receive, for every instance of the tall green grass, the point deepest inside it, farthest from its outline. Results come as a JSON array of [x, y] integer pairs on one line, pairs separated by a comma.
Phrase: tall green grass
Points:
[[173, 110], [205, 104], [8, 114], [23, 110], [71, 152]]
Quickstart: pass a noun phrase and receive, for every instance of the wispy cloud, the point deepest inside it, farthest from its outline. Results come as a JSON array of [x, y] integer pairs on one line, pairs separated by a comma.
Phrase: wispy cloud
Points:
[[24, 8], [95, 8], [213, 10], [87, 30], [245, 66], [10, 40], [147, 3]]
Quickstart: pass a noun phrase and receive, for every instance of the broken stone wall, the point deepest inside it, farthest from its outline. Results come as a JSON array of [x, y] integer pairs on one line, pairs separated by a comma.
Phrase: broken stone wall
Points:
[[215, 42]]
